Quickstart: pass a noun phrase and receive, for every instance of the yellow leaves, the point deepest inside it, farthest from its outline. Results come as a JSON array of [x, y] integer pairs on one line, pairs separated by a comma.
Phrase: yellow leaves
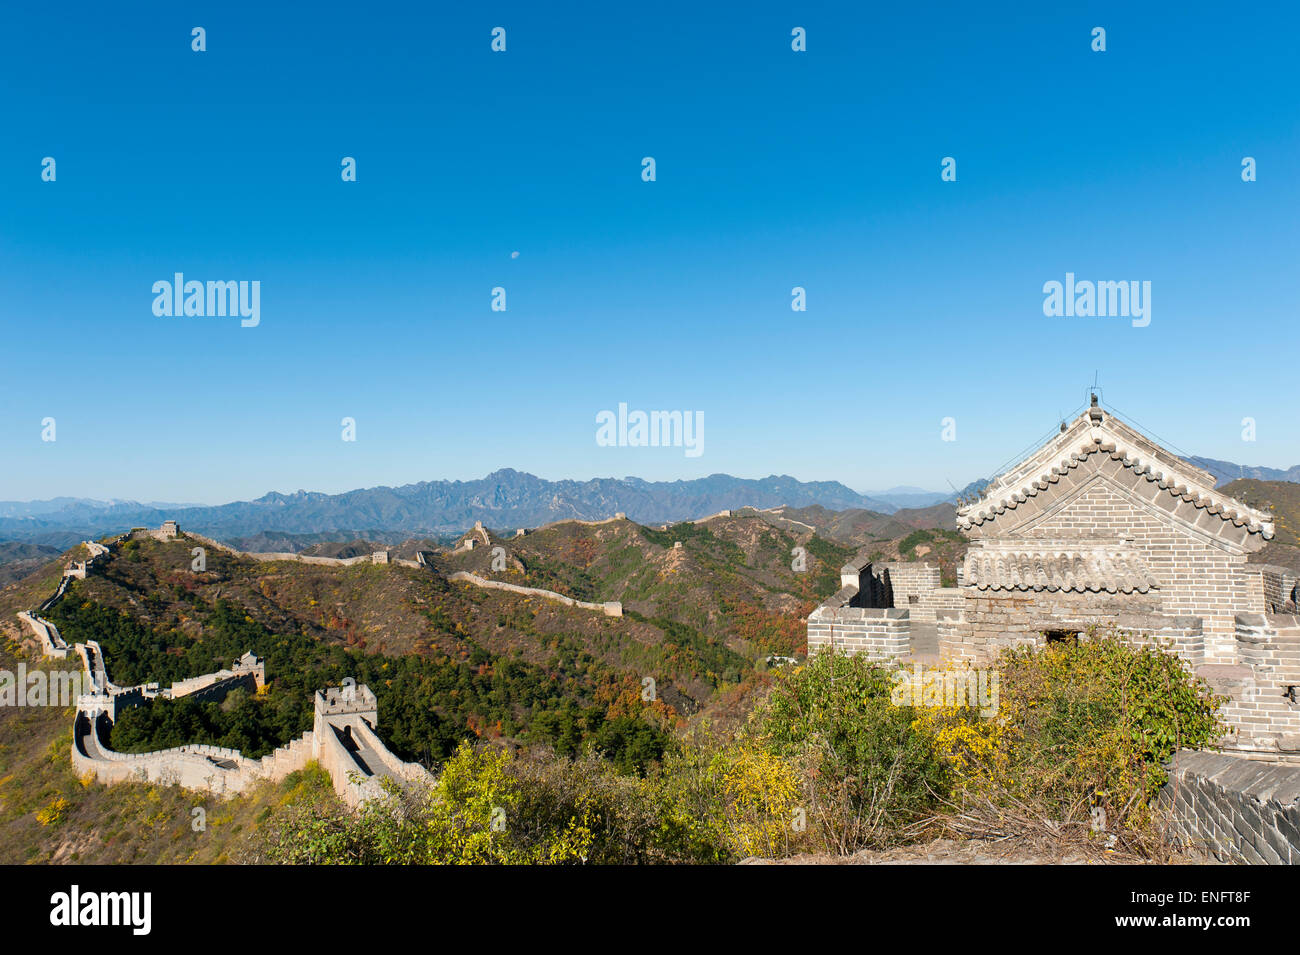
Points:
[[759, 794], [54, 812], [574, 843], [976, 749]]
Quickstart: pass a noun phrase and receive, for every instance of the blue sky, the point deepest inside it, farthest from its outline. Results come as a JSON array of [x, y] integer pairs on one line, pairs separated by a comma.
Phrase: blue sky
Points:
[[775, 169]]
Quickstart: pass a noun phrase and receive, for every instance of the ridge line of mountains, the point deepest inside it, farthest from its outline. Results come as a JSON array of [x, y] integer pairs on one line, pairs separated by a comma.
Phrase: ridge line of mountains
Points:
[[503, 499]]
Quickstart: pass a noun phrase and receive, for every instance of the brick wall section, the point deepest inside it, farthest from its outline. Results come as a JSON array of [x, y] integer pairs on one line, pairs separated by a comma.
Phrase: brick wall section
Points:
[[1264, 718], [1278, 585], [914, 586], [1198, 578], [912, 583], [955, 641], [1239, 810], [945, 598], [882, 633], [992, 620]]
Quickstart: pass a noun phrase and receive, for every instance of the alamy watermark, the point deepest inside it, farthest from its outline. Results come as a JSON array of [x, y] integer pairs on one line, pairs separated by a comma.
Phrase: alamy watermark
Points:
[[208, 299], [1085, 299], [653, 429], [40, 688], [127, 909], [971, 687]]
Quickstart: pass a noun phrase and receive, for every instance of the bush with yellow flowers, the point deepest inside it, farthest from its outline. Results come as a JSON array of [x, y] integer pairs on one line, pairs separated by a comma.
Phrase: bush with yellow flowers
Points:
[[53, 812], [1080, 725]]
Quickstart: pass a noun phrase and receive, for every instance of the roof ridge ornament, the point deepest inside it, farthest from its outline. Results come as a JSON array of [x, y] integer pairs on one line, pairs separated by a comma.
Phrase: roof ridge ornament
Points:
[[1134, 452]]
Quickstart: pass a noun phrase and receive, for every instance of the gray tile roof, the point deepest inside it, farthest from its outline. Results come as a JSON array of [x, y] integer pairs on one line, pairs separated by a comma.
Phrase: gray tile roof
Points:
[[1082, 571]]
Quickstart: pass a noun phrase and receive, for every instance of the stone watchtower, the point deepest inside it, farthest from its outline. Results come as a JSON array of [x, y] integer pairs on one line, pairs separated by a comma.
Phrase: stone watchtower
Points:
[[1102, 526], [343, 702], [344, 742], [349, 699]]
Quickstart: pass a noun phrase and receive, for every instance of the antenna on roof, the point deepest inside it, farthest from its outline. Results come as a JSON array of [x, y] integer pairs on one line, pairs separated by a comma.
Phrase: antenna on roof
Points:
[[959, 501], [1095, 391]]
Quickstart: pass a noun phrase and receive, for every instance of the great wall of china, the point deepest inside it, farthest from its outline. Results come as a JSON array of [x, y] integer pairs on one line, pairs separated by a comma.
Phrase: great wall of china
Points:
[[610, 608], [342, 739], [1240, 810]]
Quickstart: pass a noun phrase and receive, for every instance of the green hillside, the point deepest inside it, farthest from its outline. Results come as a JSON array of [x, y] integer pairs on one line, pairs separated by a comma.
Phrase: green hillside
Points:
[[448, 661]]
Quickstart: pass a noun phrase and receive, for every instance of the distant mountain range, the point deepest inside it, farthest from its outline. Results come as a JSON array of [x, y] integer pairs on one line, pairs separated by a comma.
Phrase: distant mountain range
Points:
[[503, 500], [68, 506], [1225, 471], [906, 497]]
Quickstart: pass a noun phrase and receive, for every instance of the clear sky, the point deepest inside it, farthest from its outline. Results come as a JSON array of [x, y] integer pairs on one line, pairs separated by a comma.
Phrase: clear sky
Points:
[[774, 169]]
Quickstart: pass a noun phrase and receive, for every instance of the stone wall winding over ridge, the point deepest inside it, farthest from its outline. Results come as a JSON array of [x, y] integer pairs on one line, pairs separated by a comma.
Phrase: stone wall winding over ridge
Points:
[[378, 557], [342, 739], [52, 643], [611, 608], [205, 768]]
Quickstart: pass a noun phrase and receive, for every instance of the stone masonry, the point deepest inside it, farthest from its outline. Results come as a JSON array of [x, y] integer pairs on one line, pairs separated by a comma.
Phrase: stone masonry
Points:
[[1236, 810], [1100, 527]]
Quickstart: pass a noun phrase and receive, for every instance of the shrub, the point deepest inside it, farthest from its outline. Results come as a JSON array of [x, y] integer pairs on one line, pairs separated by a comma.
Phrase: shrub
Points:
[[720, 801], [1096, 720], [54, 812], [869, 769], [486, 807], [1081, 725]]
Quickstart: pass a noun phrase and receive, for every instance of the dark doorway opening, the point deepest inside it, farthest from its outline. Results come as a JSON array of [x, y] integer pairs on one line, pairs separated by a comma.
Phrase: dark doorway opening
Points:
[[1061, 636]]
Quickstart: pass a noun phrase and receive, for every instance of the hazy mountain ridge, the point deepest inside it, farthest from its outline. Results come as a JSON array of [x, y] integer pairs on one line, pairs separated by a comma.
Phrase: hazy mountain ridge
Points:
[[70, 506], [504, 499], [20, 558], [904, 497], [1226, 471]]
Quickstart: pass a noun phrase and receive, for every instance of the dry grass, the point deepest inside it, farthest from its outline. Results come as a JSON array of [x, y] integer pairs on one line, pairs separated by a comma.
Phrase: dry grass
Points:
[[1018, 827]]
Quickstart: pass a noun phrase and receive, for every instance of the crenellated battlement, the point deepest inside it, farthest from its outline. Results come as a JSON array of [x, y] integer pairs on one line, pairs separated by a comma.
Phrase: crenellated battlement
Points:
[[347, 699]]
